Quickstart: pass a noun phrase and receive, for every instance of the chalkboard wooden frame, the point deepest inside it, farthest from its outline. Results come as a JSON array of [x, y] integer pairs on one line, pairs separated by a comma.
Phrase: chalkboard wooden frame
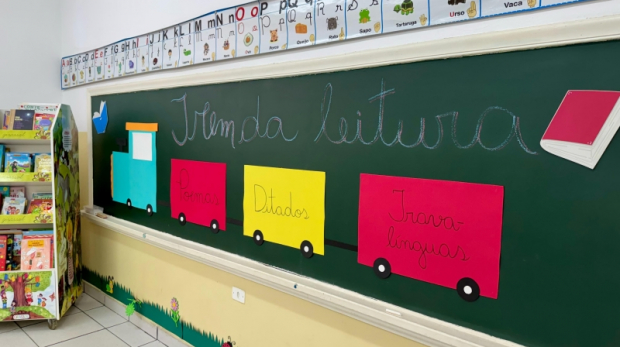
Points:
[[409, 324]]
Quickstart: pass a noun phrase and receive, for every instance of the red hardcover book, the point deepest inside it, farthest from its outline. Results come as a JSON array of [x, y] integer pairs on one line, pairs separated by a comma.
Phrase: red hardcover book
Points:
[[583, 126], [3, 245]]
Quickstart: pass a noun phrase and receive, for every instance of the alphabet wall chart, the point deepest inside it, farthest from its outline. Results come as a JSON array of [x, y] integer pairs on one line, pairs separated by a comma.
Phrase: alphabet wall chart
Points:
[[274, 25]]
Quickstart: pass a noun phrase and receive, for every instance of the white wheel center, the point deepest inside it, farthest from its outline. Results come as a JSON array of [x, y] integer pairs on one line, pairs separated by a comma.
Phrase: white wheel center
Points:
[[381, 268], [467, 290], [214, 226], [182, 219], [306, 249], [257, 237]]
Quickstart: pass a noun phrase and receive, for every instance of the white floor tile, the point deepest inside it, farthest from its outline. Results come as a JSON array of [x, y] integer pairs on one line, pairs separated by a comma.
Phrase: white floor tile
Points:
[[154, 344], [170, 339], [25, 323], [94, 292], [131, 334], [73, 310], [5, 327], [101, 338], [144, 324], [85, 302], [16, 338], [105, 316], [115, 306], [69, 327]]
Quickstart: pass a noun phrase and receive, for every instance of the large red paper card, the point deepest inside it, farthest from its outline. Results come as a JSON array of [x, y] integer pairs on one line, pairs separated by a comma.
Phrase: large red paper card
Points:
[[198, 193], [435, 231]]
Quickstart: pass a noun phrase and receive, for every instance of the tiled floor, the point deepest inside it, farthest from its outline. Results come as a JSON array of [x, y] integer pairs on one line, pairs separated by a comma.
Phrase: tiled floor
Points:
[[88, 323]]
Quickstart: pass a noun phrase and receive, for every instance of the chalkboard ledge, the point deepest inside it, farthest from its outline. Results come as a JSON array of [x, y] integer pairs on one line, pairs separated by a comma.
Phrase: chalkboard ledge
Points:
[[412, 325]]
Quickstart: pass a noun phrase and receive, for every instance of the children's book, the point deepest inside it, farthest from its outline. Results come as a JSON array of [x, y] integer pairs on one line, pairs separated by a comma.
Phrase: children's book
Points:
[[3, 252], [36, 254], [18, 162], [24, 120], [583, 126], [42, 196], [12, 206], [17, 192], [2, 150], [43, 162], [8, 120], [5, 191], [42, 234], [43, 121], [39, 206]]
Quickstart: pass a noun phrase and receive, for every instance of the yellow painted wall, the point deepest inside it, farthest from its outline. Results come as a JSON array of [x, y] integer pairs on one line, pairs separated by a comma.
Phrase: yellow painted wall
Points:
[[268, 318]]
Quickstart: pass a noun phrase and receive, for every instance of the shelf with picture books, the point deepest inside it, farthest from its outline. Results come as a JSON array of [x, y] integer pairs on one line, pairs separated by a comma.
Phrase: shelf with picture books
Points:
[[38, 156]]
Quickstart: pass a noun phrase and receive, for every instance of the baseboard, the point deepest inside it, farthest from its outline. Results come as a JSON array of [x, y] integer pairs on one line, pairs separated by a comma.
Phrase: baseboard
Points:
[[148, 326]]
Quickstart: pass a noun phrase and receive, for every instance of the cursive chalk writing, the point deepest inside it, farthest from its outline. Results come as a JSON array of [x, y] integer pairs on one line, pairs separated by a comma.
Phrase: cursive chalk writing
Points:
[[191, 195], [343, 130], [421, 217], [444, 251], [268, 205], [226, 128]]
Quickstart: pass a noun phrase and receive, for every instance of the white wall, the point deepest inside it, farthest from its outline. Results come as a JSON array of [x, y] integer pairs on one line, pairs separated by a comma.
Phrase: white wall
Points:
[[88, 25], [30, 46]]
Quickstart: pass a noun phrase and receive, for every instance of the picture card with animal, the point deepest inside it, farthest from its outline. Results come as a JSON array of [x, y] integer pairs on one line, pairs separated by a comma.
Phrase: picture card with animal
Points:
[[495, 7], [64, 72], [156, 40], [404, 15], [247, 25], [170, 47], [17, 162], [583, 126], [131, 57], [226, 34], [301, 28], [89, 67], [13, 206], [119, 52], [273, 31], [330, 21], [99, 66], [454, 10], [17, 192], [142, 64], [81, 63], [204, 39], [23, 120], [73, 71], [363, 18], [36, 254], [43, 121], [186, 43], [108, 62]]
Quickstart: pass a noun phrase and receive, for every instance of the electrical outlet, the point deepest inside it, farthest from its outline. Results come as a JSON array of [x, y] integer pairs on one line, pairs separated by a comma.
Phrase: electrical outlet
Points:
[[238, 295]]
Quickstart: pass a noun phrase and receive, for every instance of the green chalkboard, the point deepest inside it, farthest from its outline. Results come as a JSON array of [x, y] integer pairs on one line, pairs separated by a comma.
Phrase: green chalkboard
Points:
[[560, 238]]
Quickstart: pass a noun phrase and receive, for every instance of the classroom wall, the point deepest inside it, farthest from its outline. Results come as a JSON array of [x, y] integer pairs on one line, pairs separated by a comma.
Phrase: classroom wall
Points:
[[30, 51], [269, 318], [87, 25]]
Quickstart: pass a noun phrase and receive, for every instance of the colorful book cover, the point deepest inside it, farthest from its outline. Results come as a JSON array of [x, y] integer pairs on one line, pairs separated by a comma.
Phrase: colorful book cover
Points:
[[42, 234], [17, 192], [42, 196], [36, 254], [24, 120], [18, 162], [8, 120], [12, 206], [43, 121], [2, 150], [5, 191], [38, 206], [43, 162], [3, 249]]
